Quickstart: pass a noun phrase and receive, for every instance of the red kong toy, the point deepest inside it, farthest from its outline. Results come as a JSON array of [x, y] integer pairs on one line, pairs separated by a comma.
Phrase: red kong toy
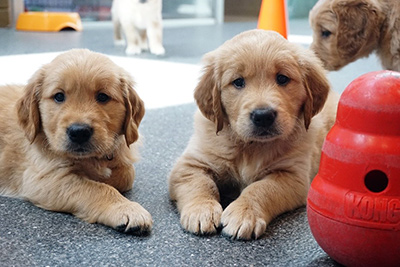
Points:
[[353, 204]]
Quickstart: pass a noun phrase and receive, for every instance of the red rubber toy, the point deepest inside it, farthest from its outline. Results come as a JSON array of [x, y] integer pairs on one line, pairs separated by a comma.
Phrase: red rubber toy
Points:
[[353, 205]]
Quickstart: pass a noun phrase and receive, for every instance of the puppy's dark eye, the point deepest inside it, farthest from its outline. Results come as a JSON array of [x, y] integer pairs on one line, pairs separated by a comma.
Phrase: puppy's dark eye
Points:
[[325, 34], [59, 97], [239, 83], [102, 98], [282, 79]]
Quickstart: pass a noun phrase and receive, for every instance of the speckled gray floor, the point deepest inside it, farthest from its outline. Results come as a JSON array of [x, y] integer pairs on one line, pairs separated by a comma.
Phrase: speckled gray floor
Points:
[[30, 236]]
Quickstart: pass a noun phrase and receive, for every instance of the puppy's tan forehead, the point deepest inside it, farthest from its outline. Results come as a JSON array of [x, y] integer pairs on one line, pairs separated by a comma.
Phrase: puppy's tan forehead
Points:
[[87, 73], [322, 12], [325, 20], [269, 56], [86, 66]]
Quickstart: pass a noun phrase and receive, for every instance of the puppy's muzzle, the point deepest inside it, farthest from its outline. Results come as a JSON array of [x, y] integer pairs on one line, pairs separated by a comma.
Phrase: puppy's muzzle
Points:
[[79, 133], [263, 118]]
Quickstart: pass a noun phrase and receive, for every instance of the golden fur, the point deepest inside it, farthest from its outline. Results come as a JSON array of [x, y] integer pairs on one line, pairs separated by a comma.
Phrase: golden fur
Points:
[[41, 159], [271, 166], [141, 23], [346, 30]]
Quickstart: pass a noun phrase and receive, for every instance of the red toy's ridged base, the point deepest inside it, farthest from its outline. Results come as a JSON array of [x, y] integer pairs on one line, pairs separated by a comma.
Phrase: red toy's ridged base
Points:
[[353, 245]]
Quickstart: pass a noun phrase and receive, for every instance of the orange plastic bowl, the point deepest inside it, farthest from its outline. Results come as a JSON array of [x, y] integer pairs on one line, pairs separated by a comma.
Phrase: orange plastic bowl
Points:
[[49, 21]]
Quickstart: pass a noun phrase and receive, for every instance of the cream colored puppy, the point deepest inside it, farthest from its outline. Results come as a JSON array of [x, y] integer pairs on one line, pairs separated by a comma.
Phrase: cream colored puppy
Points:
[[260, 129], [346, 30], [65, 137], [141, 23]]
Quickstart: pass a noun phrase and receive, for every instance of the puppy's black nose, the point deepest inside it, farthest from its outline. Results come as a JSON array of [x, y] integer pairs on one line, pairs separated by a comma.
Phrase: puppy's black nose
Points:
[[79, 133], [264, 117]]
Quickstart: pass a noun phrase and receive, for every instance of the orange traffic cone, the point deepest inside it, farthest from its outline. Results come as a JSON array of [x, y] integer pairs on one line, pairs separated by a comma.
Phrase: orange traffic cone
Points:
[[273, 16]]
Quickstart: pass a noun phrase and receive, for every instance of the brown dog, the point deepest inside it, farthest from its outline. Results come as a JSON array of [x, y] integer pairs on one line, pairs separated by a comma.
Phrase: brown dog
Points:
[[346, 30], [260, 131], [64, 140]]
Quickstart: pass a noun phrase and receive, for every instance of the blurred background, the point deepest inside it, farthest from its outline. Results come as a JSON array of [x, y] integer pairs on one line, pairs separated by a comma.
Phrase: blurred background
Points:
[[200, 11], [191, 28]]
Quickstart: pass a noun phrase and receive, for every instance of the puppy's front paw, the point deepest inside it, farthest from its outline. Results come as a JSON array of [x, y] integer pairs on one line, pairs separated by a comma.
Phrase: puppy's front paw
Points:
[[132, 50], [157, 50], [201, 218], [242, 221], [128, 217]]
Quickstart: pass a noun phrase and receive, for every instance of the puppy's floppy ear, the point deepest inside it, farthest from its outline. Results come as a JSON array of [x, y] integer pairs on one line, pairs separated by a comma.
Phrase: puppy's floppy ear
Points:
[[358, 26], [208, 95], [28, 106], [134, 111], [316, 85]]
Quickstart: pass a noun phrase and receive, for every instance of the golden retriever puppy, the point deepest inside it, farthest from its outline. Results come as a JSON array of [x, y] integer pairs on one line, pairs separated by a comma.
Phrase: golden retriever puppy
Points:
[[346, 30], [64, 140], [141, 22], [259, 131]]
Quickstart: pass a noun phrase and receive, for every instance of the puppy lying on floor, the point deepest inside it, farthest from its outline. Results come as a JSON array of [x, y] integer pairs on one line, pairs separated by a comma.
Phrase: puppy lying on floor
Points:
[[64, 140], [141, 22], [260, 129], [346, 30]]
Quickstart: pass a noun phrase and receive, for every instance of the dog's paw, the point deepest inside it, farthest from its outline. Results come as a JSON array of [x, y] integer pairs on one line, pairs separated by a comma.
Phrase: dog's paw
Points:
[[202, 218], [128, 217], [133, 50], [242, 222], [157, 50]]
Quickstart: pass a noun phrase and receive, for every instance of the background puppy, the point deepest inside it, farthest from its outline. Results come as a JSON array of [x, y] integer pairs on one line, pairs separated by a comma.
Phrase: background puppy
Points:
[[140, 21], [346, 30], [64, 140], [257, 131]]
